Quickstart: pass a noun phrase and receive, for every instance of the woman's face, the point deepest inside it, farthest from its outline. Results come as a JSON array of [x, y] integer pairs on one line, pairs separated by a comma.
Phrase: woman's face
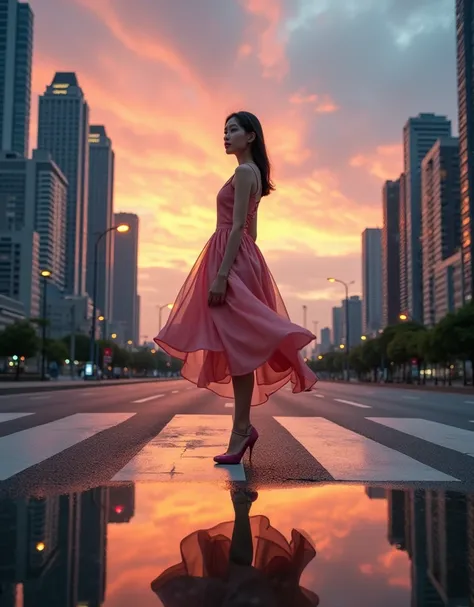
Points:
[[236, 140]]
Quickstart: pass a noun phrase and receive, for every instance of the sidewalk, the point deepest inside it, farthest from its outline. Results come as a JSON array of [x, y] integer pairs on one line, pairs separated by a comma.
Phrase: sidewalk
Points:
[[26, 387], [457, 388]]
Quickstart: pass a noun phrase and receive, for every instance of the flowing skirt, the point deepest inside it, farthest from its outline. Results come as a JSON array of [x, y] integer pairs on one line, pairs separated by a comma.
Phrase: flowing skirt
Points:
[[202, 576], [251, 332]]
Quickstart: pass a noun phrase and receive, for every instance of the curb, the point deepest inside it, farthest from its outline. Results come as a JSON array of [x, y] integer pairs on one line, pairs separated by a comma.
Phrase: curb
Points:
[[79, 384]]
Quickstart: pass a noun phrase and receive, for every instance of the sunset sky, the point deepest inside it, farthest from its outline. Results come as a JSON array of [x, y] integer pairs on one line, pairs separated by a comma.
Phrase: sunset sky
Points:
[[333, 82]]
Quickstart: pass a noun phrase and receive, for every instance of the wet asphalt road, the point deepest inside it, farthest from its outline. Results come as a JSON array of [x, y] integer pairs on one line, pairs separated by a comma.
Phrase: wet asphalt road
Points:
[[337, 433]]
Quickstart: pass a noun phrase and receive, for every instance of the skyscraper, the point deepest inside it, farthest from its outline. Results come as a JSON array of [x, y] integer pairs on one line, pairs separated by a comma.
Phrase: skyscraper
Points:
[[355, 321], [33, 194], [440, 208], [19, 268], [63, 130], [337, 335], [325, 343], [371, 280], [465, 78], [124, 310], [101, 217], [391, 254], [419, 134], [403, 239], [16, 58]]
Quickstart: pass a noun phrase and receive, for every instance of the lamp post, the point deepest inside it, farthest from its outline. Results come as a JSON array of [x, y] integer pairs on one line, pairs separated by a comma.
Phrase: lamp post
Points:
[[305, 316], [122, 228], [346, 287], [45, 274], [160, 310]]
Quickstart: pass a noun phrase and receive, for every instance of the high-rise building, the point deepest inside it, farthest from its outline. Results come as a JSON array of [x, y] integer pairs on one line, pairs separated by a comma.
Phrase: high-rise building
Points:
[[337, 335], [32, 219], [371, 280], [124, 310], [33, 196], [465, 79], [63, 130], [137, 318], [391, 245], [440, 218], [19, 268], [325, 343], [403, 238], [101, 217], [419, 135], [355, 321], [16, 58]]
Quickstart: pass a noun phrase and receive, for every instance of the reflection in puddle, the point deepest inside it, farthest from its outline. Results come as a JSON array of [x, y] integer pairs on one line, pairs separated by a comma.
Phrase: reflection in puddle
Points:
[[114, 545]]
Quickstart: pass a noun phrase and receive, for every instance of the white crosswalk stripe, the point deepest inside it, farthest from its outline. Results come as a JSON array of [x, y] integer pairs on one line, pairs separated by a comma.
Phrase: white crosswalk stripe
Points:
[[27, 448], [7, 417], [349, 456], [184, 448], [449, 437]]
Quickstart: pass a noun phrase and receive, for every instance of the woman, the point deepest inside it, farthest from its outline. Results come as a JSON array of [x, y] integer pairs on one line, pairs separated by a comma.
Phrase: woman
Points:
[[229, 323], [247, 562]]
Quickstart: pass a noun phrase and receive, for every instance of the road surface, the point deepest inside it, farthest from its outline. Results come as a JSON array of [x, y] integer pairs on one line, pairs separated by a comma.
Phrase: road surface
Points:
[[170, 431]]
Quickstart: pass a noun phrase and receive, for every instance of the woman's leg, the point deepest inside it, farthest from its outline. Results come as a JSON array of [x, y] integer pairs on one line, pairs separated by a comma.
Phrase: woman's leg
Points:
[[243, 389]]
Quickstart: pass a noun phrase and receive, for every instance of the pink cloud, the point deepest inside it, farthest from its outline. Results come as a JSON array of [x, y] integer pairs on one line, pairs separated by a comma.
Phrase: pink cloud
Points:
[[384, 163]]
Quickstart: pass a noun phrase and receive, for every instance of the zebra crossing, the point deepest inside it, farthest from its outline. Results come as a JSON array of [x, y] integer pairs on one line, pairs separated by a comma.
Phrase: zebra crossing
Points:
[[183, 449]]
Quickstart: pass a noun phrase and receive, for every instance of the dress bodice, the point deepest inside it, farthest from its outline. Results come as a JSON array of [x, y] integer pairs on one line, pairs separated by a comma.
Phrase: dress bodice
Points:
[[225, 206]]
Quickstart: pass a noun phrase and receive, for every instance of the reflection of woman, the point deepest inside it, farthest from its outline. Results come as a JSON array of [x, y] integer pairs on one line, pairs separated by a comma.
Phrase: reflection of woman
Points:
[[251, 564]]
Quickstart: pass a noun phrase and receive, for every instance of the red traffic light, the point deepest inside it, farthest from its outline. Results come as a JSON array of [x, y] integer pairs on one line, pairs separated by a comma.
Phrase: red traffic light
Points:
[[119, 509]]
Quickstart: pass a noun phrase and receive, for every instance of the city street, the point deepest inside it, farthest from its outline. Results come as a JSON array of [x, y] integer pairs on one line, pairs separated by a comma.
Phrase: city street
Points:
[[160, 431], [107, 481]]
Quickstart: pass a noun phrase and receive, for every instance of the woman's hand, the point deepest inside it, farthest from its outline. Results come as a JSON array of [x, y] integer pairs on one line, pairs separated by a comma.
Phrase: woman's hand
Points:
[[217, 291]]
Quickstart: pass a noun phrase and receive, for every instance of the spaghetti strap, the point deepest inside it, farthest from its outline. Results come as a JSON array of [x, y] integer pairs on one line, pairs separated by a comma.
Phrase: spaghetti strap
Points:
[[257, 175]]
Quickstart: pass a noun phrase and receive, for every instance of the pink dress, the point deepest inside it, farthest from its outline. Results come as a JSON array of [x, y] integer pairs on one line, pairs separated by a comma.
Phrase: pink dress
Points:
[[250, 332]]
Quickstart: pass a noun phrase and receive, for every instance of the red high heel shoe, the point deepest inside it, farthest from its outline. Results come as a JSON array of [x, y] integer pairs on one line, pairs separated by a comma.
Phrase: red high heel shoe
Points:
[[236, 458]]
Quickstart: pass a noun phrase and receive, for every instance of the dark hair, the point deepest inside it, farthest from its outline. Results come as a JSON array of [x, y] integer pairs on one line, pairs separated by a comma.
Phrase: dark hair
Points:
[[251, 124]]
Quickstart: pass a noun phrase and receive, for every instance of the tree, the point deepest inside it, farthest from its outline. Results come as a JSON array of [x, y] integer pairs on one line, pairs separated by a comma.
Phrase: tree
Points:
[[19, 339], [463, 333], [357, 362], [371, 355], [82, 347], [56, 351], [143, 360]]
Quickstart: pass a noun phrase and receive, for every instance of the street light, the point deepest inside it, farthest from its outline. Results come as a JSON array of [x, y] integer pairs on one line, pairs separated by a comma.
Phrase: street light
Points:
[[346, 287], [363, 337], [403, 317], [122, 229], [45, 274], [160, 309]]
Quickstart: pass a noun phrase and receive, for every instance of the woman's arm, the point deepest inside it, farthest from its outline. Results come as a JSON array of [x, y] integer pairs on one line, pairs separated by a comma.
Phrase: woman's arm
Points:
[[244, 178]]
